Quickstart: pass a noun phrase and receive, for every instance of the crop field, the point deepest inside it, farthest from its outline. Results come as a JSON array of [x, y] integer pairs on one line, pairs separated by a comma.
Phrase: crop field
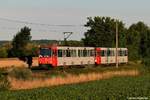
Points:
[[15, 62], [92, 83], [117, 88]]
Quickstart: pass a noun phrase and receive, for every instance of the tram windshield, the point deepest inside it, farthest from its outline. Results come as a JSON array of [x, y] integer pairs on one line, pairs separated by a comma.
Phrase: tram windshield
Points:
[[45, 52]]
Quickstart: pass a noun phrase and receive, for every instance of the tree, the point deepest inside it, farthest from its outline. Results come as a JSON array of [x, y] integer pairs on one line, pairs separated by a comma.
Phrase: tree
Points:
[[146, 54], [3, 52], [101, 32], [137, 39], [20, 41], [133, 42], [4, 48], [31, 49]]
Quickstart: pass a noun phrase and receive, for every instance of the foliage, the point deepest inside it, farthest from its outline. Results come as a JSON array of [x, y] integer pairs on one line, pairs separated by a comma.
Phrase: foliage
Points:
[[73, 43], [19, 42], [3, 42], [101, 32], [20, 73], [138, 39], [31, 49], [4, 82], [117, 88], [133, 41], [44, 41], [4, 48], [146, 62], [3, 52]]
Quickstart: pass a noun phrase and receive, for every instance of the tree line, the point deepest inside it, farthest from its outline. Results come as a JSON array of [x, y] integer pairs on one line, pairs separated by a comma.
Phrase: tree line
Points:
[[102, 30], [100, 33]]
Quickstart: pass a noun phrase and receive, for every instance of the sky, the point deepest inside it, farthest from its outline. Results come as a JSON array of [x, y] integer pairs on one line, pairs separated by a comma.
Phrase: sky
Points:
[[58, 13]]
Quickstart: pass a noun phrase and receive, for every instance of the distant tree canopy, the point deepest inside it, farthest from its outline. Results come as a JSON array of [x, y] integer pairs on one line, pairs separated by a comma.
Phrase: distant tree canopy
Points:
[[20, 41], [4, 48], [138, 40], [3, 52], [101, 32]]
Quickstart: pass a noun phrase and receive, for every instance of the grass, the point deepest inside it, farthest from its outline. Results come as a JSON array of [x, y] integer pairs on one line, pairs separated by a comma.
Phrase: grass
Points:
[[4, 83], [69, 79], [59, 71], [117, 88], [10, 62]]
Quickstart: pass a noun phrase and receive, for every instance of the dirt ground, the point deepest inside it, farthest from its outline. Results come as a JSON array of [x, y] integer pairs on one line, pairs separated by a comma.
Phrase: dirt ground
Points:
[[15, 62]]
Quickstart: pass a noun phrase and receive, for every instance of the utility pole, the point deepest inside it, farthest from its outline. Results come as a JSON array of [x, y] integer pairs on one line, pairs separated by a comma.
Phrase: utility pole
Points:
[[116, 44], [66, 36]]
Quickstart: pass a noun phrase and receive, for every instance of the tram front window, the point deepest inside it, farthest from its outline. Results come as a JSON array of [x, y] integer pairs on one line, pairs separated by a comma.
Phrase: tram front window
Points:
[[45, 52]]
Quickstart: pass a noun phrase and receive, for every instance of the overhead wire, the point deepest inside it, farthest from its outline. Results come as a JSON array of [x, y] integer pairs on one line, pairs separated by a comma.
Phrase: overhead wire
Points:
[[56, 28], [41, 24]]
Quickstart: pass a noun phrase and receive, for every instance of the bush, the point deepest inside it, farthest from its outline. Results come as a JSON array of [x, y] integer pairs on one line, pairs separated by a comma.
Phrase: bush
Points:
[[146, 62], [21, 73], [3, 53], [4, 83]]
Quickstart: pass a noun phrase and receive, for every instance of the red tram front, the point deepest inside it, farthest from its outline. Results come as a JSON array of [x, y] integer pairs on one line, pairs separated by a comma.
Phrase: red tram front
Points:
[[48, 56]]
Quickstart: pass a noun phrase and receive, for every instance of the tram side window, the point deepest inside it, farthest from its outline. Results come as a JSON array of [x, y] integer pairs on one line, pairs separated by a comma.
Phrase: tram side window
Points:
[[63, 53], [108, 53], [81, 53], [102, 53], [84, 53], [105, 53], [126, 53], [71, 53], [68, 53], [123, 52], [74, 53], [60, 53], [88, 52], [112, 53], [92, 53], [120, 53], [78, 53]]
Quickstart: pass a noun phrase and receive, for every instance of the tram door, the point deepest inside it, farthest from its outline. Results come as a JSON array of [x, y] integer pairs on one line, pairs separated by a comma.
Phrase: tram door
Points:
[[98, 56], [54, 56]]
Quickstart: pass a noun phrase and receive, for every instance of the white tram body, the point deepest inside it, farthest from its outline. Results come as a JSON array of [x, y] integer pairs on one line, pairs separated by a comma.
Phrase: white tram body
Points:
[[108, 55], [75, 56], [66, 56]]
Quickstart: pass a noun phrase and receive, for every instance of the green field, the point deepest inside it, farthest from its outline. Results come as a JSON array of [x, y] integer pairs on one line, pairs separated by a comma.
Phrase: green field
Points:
[[116, 88], [119, 88]]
